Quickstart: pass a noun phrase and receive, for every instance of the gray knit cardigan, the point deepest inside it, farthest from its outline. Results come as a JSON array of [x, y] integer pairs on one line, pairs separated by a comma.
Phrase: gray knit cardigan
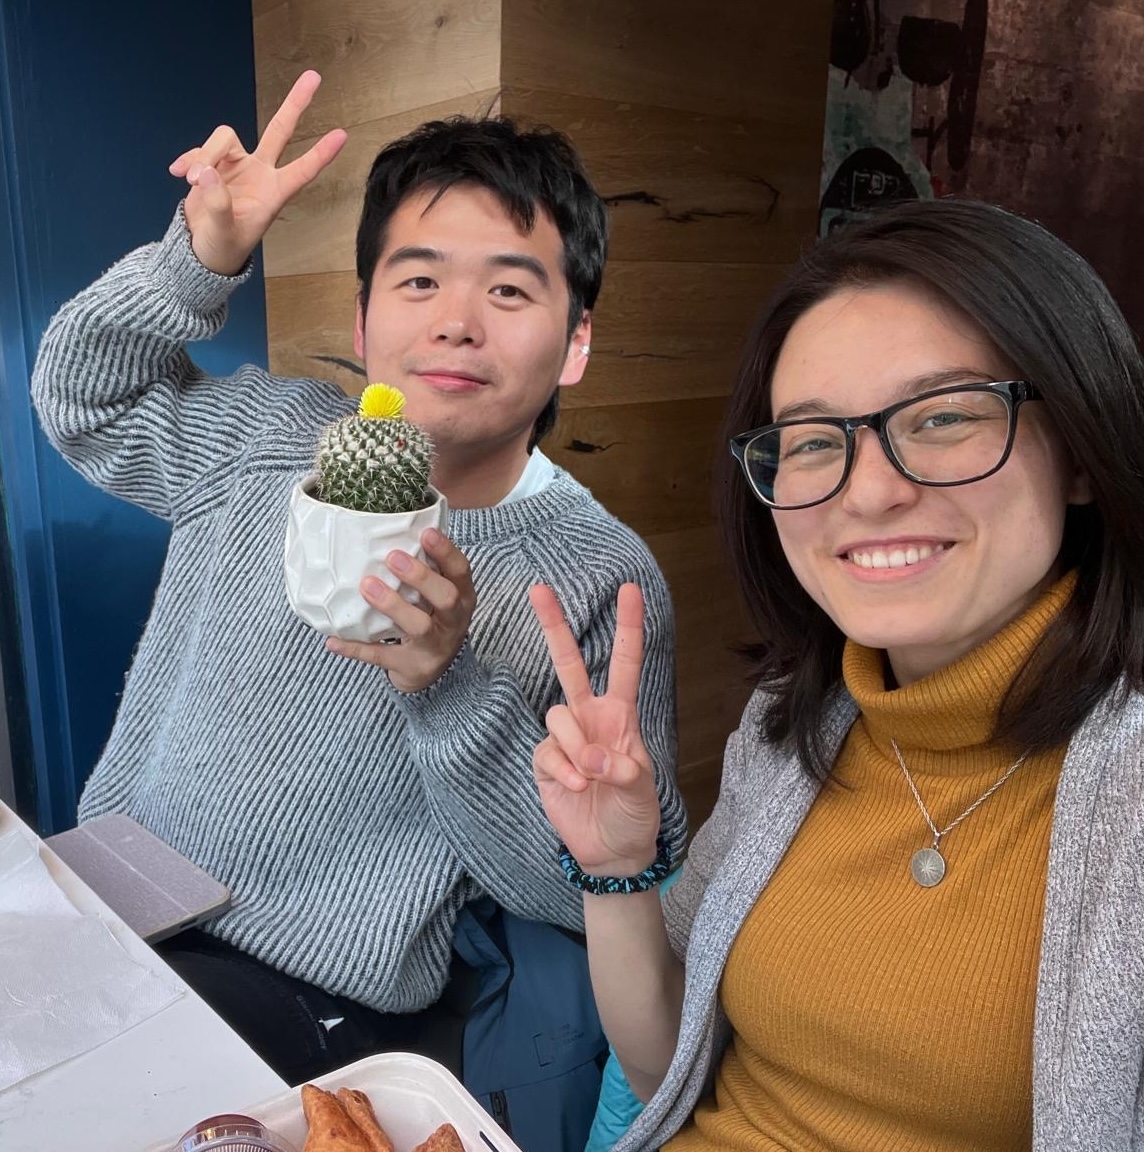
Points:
[[349, 820], [1088, 1041]]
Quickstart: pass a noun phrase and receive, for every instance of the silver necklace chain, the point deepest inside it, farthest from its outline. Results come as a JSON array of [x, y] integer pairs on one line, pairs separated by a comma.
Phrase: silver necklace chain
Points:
[[928, 865]]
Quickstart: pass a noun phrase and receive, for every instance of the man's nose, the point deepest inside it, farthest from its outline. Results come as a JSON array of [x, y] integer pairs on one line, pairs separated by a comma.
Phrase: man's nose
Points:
[[457, 321]]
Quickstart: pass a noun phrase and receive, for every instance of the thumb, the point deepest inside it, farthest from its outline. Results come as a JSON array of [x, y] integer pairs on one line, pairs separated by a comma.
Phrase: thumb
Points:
[[609, 766], [210, 217]]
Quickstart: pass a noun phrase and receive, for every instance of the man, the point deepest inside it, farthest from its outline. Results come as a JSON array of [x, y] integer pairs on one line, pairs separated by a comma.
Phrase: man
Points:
[[354, 806]]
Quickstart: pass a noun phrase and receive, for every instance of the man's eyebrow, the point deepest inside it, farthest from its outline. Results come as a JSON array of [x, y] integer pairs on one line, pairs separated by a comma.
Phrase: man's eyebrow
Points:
[[927, 382], [523, 262], [402, 255]]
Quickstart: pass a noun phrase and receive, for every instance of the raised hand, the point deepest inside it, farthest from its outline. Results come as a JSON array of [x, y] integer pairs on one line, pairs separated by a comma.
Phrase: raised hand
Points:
[[235, 195], [594, 774], [435, 629]]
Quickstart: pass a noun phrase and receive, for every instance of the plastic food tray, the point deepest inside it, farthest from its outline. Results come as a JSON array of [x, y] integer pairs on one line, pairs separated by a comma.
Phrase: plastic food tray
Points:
[[411, 1096]]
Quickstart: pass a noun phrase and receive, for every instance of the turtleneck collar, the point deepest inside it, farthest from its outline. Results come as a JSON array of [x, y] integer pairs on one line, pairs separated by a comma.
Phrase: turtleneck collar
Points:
[[954, 707]]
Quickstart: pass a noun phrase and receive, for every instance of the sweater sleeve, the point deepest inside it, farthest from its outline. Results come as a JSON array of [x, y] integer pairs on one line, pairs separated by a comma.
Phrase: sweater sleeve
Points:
[[117, 393], [713, 840], [473, 733]]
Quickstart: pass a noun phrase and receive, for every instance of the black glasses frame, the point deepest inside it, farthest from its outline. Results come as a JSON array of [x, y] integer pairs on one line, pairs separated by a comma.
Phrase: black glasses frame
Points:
[[1013, 392]]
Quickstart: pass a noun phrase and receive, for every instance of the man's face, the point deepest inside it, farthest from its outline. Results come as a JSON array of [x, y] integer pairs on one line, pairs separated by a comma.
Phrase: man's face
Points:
[[468, 316]]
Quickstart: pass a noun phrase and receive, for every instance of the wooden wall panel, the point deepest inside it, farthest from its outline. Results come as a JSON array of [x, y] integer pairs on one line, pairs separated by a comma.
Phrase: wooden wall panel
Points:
[[688, 186], [670, 330], [310, 326], [377, 57], [736, 58]]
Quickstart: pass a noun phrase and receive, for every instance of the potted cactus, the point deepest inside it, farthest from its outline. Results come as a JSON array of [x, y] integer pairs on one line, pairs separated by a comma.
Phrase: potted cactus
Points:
[[369, 494]]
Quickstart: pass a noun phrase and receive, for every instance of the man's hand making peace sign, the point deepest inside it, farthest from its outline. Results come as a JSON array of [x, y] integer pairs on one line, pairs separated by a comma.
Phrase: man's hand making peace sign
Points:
[[235, 195], [594, 774]]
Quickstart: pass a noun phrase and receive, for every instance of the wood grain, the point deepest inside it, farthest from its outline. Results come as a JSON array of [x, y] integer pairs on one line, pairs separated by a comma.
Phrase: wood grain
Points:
[[684, 185], [670, 331], [310, 325], [377, 59], [764, 60], [650, 463]]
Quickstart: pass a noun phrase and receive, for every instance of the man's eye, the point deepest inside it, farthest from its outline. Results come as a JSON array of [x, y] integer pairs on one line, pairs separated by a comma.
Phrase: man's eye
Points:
[[419, 283], [510, 292]]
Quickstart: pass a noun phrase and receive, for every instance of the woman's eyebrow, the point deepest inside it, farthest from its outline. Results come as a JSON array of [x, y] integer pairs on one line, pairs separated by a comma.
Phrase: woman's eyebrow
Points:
[[915, 386]]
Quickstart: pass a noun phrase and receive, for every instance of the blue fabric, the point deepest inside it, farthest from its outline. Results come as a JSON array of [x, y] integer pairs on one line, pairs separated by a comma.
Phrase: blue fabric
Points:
[[618, 1105], [617, 1108], [533, 1044]]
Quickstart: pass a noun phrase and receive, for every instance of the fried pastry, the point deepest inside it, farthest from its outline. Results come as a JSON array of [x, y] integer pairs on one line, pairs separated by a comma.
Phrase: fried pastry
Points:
[[331, 1129], [444, 1139], [360, 1111]]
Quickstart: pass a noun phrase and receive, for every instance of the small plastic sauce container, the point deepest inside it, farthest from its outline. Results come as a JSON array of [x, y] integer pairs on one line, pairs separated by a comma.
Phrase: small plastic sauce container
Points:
[[232, 1133]]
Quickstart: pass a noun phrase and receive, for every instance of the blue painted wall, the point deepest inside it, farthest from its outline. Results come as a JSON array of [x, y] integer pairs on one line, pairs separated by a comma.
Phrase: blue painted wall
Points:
[[96, 99]]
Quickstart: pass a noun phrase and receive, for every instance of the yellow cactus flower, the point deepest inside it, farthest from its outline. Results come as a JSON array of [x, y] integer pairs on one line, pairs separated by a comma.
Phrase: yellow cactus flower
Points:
[[381, 402]]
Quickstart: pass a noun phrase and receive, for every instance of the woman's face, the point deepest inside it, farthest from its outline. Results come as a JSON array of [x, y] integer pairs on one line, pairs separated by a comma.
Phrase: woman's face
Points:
[[976, 555]]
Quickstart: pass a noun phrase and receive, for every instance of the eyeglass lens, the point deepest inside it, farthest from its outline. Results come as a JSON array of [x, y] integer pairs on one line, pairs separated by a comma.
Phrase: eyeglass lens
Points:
[[951, 438]]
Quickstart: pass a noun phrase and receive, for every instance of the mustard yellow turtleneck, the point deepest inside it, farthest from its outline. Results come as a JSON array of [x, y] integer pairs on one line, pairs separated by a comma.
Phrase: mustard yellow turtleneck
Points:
[[870, 1013]]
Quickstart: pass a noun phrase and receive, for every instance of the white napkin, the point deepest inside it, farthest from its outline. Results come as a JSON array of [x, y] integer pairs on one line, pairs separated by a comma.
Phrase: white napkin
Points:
[[66, 984]]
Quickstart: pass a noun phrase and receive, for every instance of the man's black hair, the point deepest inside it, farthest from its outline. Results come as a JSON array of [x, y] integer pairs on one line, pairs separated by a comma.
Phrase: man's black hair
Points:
[[526, 169]]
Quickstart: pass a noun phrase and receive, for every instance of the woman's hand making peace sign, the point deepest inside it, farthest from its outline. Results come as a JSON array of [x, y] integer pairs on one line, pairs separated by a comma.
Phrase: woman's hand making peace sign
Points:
[[594, 774]]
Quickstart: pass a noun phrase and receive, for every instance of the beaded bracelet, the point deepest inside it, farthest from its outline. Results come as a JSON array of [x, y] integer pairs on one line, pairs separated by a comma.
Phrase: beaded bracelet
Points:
[[625, 885]]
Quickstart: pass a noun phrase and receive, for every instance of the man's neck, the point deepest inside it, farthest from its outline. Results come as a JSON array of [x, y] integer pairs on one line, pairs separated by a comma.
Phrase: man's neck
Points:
[[477, 480]]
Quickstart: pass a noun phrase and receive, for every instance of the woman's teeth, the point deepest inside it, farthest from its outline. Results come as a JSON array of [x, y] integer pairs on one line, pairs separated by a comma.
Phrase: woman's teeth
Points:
[[894, 557]]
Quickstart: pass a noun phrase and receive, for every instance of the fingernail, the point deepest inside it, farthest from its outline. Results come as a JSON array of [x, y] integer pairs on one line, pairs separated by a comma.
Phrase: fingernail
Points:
[[595, 760], [194, 171], [432, 537], [372, 586], [398, 562], [209, 178]]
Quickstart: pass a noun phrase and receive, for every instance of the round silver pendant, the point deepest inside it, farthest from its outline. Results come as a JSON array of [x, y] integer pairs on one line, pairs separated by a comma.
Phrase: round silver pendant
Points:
[[927, 867]]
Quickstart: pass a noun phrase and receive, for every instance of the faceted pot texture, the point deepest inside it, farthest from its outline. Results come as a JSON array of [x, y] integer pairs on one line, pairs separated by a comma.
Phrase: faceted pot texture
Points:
[[328, 551]]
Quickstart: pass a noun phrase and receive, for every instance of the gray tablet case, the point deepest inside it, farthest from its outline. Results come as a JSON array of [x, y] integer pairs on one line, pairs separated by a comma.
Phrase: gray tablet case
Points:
[[154, 889]]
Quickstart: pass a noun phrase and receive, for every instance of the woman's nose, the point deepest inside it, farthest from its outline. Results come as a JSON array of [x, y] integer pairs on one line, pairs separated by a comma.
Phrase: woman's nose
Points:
[[874, 484]]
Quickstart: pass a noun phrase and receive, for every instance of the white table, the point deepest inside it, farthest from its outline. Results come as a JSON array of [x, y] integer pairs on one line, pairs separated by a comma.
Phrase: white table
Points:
[[154, 1081]]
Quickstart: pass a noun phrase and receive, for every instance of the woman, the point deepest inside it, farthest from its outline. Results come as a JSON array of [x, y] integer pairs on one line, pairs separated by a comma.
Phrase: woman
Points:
[[915, 919]]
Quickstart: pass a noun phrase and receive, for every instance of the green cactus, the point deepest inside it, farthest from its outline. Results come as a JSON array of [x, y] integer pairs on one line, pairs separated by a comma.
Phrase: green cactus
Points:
[[375, 461]]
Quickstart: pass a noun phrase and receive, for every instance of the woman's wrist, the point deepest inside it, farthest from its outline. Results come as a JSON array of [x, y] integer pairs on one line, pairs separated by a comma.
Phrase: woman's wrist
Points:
[[620, 876]]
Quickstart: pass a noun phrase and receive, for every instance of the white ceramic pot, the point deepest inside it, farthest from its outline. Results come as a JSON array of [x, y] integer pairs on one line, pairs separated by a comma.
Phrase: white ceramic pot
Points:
[[328, 551]]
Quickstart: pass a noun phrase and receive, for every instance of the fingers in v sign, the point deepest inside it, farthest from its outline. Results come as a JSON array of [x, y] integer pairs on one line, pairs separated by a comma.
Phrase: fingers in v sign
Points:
[[235, 195]]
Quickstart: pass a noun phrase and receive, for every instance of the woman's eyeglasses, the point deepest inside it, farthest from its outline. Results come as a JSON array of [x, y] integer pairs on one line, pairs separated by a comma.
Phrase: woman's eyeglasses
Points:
[[949, 436]]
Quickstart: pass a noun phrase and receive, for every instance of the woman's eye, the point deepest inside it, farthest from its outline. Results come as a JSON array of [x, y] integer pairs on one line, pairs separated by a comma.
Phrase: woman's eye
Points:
[[811, 445], [945, 418]]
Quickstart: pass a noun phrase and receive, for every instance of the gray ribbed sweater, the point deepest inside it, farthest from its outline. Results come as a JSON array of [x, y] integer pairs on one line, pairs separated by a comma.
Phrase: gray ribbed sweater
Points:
[[349, 820], [1088, 1038]]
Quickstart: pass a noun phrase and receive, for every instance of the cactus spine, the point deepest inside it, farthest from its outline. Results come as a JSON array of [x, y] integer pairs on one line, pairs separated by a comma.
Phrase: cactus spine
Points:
[[375, 461]]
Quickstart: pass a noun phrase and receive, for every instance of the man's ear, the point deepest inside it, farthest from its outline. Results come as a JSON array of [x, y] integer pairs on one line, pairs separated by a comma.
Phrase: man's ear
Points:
[[359, 330], [578, 350]]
